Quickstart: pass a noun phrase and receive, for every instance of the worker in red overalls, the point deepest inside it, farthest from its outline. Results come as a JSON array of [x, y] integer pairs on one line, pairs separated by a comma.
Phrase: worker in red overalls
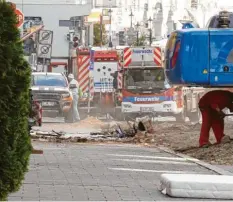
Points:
[[211, 106]]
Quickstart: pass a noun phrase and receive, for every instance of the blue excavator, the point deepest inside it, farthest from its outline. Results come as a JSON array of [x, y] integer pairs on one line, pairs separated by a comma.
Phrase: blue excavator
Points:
[[202, 57]]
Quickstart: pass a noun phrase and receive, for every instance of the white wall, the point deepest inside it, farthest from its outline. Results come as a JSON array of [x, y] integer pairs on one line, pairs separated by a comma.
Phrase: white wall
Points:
[[51, 14]]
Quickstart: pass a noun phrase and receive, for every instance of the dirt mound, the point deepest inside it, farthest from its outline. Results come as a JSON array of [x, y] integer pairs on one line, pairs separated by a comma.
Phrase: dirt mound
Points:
[[217, 154], [184, 138], [89, 122]]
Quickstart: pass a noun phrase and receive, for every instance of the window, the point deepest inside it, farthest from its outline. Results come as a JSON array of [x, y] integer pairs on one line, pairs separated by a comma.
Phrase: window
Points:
[[49, 80], [65, 23], [144, 79]]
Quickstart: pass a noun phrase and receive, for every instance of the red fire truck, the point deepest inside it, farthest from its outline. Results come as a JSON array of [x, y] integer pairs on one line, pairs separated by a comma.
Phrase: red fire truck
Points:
[[93, 69], [144, 88]]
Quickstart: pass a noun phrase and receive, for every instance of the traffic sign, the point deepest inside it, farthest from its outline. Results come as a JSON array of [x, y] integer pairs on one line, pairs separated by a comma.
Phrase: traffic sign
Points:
[[46, 37], [20, 17], [44, 51]]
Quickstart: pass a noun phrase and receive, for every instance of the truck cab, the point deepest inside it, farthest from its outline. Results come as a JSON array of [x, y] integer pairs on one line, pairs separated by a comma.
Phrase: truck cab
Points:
[[144, 89], [51, 90]]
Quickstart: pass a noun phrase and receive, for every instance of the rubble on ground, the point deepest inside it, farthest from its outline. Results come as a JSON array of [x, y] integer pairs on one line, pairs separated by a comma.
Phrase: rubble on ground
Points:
[[136, 132], [221, 154], [180, 137]]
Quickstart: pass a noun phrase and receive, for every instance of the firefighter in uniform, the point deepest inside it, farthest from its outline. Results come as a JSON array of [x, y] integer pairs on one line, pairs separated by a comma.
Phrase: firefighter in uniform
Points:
[[211, 106]]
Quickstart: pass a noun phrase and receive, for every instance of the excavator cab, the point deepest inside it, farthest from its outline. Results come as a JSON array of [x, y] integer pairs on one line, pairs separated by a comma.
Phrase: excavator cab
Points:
[[202, 57], [223, 20]]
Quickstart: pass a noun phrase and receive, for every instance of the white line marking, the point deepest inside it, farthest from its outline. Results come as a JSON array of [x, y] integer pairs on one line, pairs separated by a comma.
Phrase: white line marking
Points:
[[151, 171], [153, 161], [155, 157]]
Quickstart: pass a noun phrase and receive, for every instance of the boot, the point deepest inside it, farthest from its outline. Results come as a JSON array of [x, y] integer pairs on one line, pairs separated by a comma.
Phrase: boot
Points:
[[225, 139]]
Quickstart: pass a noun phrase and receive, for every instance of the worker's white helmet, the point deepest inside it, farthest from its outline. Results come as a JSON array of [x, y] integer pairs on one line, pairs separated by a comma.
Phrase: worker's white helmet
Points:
[[71, 76]]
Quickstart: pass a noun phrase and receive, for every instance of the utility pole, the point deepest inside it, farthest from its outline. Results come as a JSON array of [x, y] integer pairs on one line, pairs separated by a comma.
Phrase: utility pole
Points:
[[131, 18], [137, 29], [101, 29], [110, 27], [150, 20]]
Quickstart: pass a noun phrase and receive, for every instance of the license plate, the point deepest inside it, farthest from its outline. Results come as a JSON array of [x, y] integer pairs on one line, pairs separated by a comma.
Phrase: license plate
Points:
[[147, 109], [48, 103]]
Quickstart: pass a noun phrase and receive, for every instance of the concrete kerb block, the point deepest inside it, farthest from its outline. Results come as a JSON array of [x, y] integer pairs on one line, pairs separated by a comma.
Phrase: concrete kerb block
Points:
[[197, 161]]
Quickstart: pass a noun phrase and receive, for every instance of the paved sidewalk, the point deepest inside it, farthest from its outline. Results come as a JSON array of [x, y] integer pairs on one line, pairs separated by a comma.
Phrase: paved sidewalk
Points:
[[82, 172]]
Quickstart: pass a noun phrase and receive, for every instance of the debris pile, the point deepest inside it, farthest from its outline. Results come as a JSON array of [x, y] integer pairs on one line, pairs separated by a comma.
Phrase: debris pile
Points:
[[221, 154], [60, 137], [137, 132], [90, 122], [184, 138]]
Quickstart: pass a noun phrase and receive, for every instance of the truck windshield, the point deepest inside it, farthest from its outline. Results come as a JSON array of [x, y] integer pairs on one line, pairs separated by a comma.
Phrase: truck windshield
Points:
[[144, 79], [49, 80]]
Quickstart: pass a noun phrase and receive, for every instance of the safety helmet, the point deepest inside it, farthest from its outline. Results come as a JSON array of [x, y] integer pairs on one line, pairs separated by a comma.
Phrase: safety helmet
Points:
[[71, 76]]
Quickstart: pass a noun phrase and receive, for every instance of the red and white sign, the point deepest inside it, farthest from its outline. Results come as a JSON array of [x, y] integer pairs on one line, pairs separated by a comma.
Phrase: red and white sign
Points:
[[20, 17], [127, 56], [158, 56], [151, 55], [83, 72]]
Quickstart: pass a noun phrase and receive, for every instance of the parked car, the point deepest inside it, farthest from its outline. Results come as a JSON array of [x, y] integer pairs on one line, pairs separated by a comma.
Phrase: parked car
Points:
[[51, 90]]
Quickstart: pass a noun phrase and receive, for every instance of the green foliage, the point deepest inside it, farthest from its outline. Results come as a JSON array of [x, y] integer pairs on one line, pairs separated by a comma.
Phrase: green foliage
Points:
[[97, 35], [15, 144], [141, 41]]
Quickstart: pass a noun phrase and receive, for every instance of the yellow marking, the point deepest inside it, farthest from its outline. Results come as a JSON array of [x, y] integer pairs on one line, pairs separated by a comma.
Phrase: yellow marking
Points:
[[205, 71]]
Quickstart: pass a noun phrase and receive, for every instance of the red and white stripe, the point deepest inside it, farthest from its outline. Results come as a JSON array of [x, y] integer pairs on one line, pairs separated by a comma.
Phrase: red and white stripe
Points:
[[127, 57], [158, 56], [83, 72], [119, 76]]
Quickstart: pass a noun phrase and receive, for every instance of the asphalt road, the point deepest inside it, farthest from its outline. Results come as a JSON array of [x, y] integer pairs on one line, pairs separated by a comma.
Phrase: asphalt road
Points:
[[87, 172]]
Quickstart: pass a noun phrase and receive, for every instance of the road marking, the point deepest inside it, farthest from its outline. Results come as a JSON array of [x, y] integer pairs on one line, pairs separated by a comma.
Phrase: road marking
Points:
[[151, 171], [155, 157], [153, 161]]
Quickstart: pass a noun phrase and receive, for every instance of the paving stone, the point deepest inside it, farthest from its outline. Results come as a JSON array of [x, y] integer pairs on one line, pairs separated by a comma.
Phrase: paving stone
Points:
[[82, 172], [12, 198]]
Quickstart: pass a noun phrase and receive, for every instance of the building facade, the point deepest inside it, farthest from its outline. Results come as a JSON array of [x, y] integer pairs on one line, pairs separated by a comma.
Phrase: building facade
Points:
[[56, 15]]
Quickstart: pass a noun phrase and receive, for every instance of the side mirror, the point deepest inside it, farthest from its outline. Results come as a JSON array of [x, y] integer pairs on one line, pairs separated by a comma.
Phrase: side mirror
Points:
[[168, 35]]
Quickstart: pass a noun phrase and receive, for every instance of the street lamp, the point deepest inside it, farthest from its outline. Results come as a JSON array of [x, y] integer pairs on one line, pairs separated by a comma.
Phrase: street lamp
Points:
[[150, 20], [131, 18], [137, 29], [110, 27]]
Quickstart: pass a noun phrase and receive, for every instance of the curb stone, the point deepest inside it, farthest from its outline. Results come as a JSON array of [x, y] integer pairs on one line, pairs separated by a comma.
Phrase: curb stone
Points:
[[197, 161]]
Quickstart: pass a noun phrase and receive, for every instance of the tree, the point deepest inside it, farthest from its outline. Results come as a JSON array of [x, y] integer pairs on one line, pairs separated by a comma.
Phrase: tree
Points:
[[141, 41], [15, 80], [97, 35]]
